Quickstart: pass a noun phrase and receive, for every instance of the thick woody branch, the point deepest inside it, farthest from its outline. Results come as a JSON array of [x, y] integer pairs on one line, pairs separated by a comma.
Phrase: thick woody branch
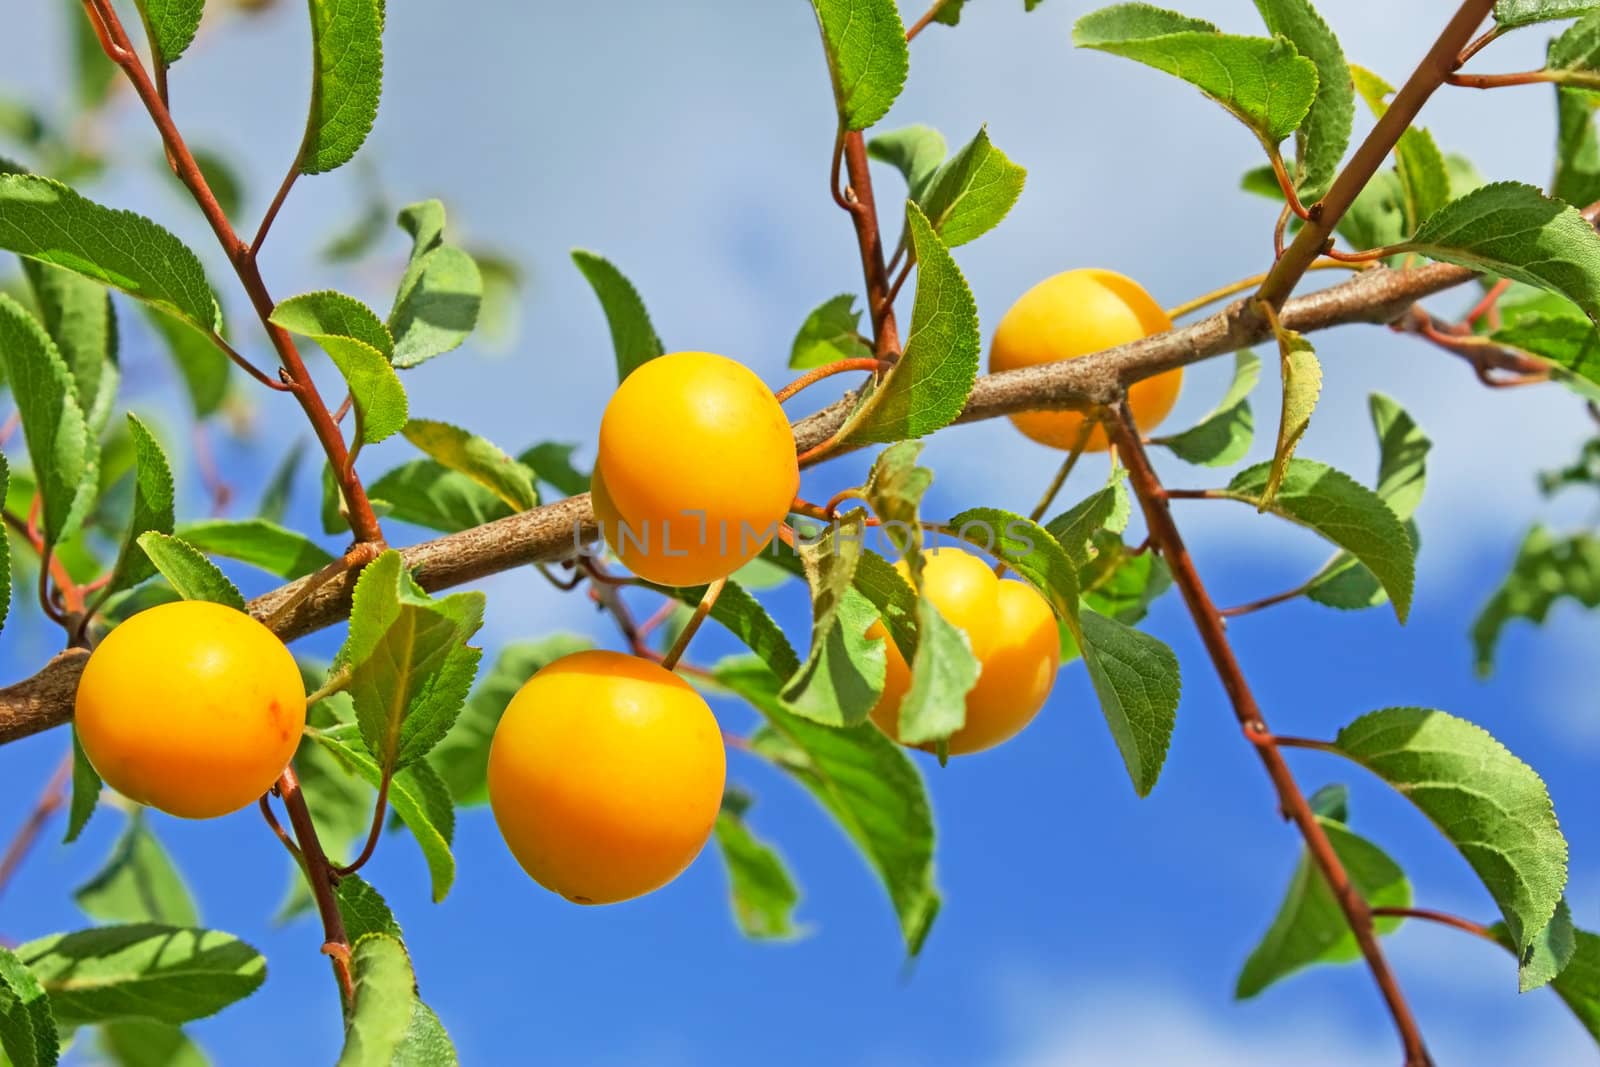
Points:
[[556, 531]]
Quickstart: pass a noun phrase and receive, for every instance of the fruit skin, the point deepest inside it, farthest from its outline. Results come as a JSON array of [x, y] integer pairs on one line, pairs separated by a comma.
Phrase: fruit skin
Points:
[[692, 431], [1073, 314], [605, 776], [1014, 636], [190, 707]]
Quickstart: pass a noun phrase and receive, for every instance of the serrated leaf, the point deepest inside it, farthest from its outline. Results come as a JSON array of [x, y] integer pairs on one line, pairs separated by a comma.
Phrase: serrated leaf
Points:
[[843, 674], [417, 796], [1570, 346], [204, 368], [359, 345], [462, 757], [1104, 509], [1486, 801], [364, 910], [1264, 82], [440, 293], [1322, 138], [830, 333], [273, 548], [1343, 511], [1579, 982], [171, 26], [59, 443], [760, 888], [188, 570], [1549, 952], [1574, 57], [384, 1002], [864, 780], [1513, 13], [1310, 926], [477, 458], [1577, 173], [943, 671], [972, 192], [632, 336], [346, 81], [1545, 571], [929, 385], [86, 786], [46, 221], [1515, 231], [427, 493], [1403, 448], [1224, 435], [1137, 679], [142, 970], [139, 883], [152, 507], [1302, 385], [147, 1043], [1121, 584], [1424, 176], [78, 316], [865, 44], [915, 151], [27, 1029]]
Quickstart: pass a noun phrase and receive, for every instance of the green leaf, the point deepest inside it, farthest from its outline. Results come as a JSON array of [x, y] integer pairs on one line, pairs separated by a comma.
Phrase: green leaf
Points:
[[385, 1000], [410, 667], [86, 786], [147, 1043], [427, 493], [972, 192], [1486, 801], [364, 910], [895, 600], [1120, 583], [762, 892], [743, 616], [44, 220], [929, 385], [1310, 927], [375, 390], [1343, 511], [462, 757], [1137, 679], [1263, 81], [865, 44], [188, 570], [1546, 570], [5, 551], [1574, 57], [417, 796], [1424, 176], [27, 1029], [864, 780], [1571, 346], [142, 970], [1223, 436], [843, 675], [171, 26], [1377, 219], [1322, 138], [1513, 13], [552, 463], [831, 332], [346, 81], [138, 884], [915, 151], [440, 294], [1302, 385], [152, 507], [58, 438], [1515, 231], [203, 366], [1104, 509], [273, 548], [1577, 174], [632, 336], [1549, 952], [476, 458], [78, 316], [1579, 982]]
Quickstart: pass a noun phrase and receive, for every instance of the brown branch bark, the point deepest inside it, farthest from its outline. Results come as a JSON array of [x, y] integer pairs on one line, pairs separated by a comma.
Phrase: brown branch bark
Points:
[[319, 875], [1165, 537], [864, 213], [555, 531]]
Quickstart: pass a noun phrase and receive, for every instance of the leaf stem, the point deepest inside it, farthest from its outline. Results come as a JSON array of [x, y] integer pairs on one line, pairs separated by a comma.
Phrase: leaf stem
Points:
[[1054, 488], [1243, 285], [1265, 602], [701, 611], [322, 879], [1498, 81], [1208, 621], [379, 808], [927, 17], [1444, 918], [828, 370]]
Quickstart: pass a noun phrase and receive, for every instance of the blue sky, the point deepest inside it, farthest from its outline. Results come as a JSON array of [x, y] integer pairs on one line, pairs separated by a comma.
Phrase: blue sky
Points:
[[689, 143]]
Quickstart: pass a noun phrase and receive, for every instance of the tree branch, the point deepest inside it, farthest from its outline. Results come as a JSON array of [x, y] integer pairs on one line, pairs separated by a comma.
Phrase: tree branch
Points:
[[319, 874], [1208, 621], [558, 530]]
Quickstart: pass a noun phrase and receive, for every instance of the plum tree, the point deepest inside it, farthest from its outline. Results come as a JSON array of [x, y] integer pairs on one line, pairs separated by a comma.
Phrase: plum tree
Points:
[[190, 707], [695, 469], [1072, 314], [605, 776]]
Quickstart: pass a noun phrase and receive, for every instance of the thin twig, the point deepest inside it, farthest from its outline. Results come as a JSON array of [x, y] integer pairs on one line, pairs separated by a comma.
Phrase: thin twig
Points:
[[50, 801], [701, 611], [380, 808], [828, 370], [1165, 536], [927, 17], [1243, 285], [273, 208], [321, 878], [1264, 603], [1444, 918]]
